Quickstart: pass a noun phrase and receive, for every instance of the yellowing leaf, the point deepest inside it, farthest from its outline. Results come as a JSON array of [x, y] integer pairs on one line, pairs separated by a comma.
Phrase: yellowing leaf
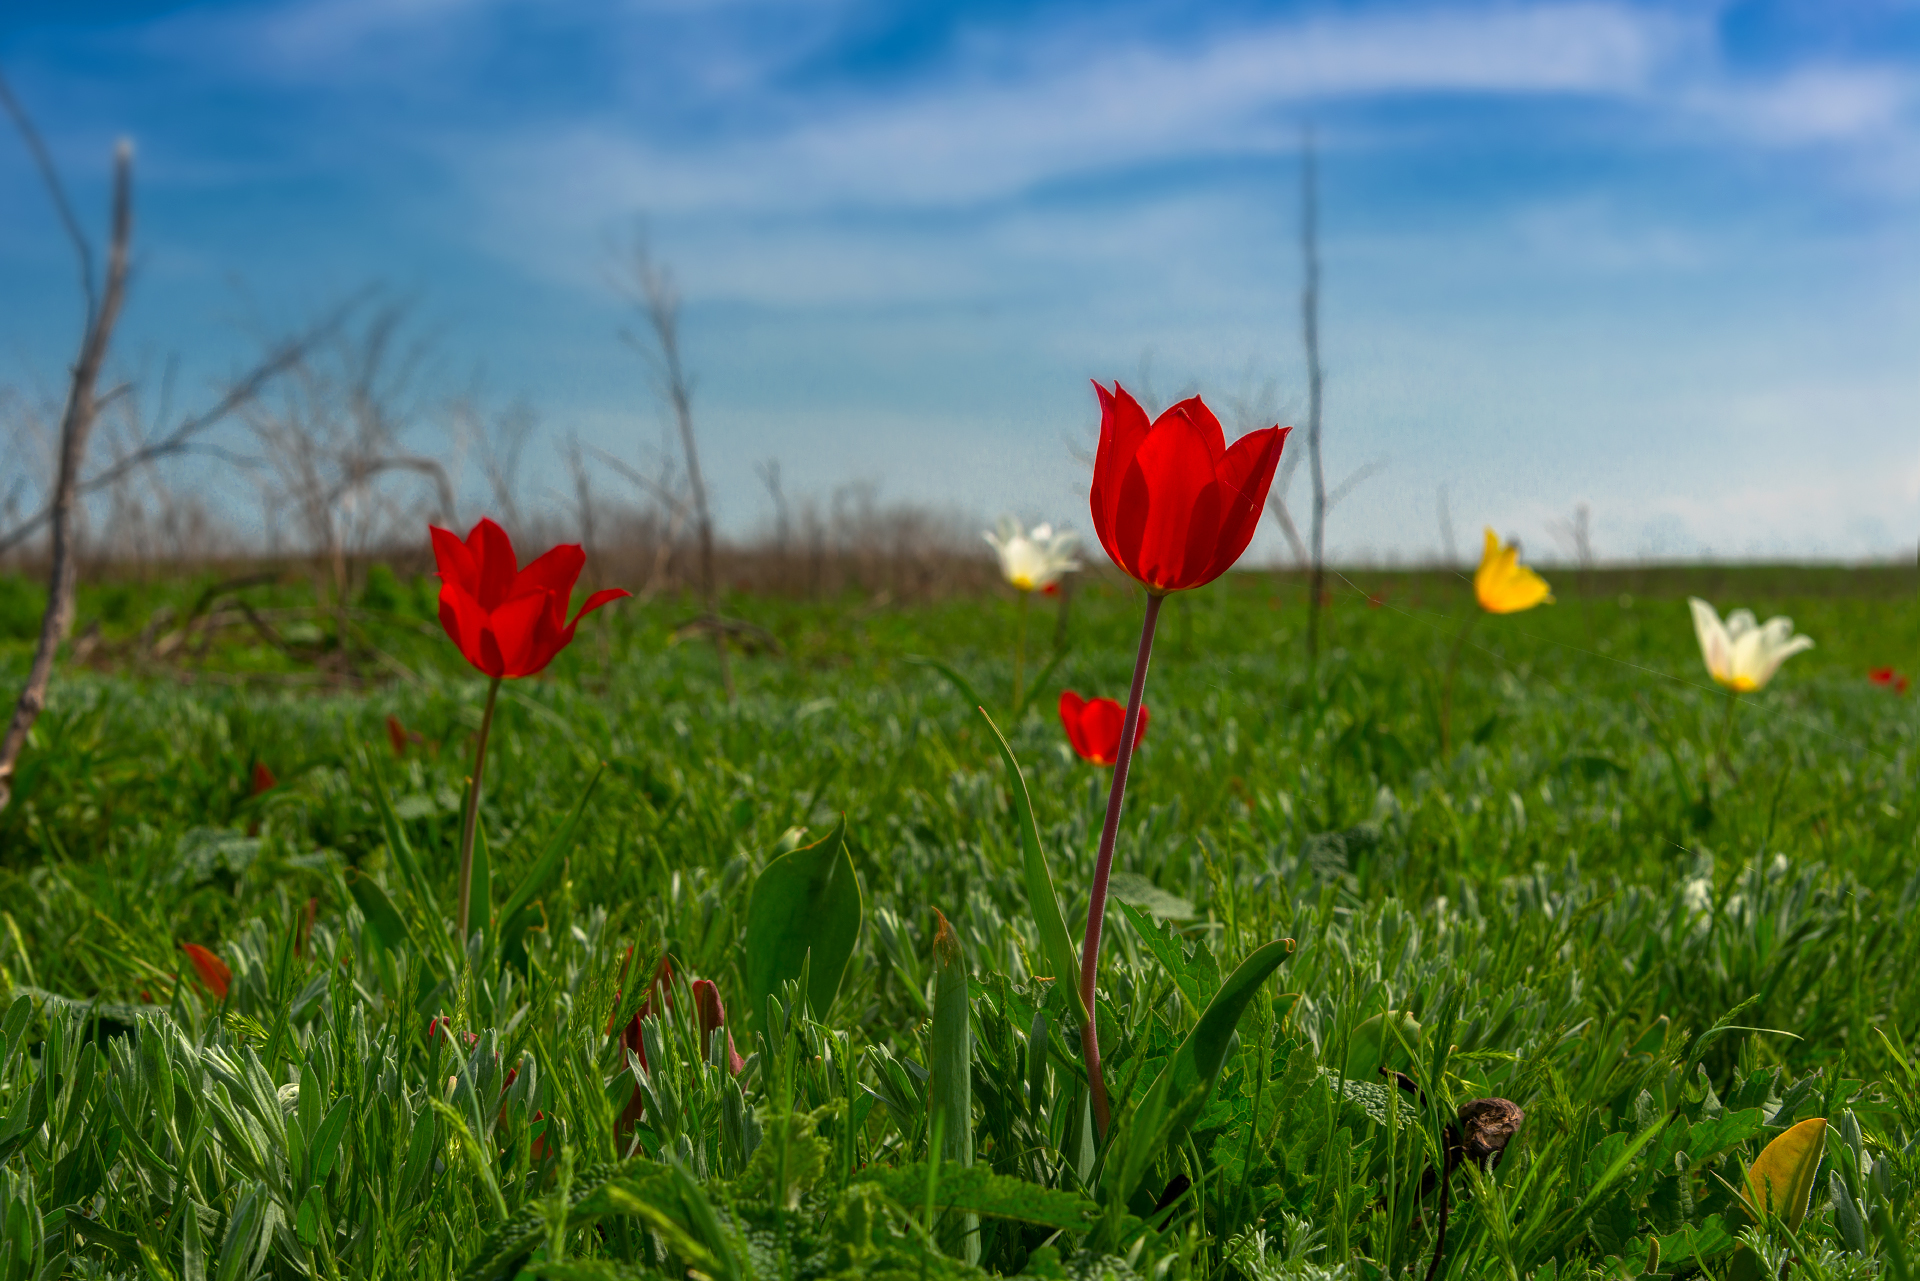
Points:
[[1780, 1179]]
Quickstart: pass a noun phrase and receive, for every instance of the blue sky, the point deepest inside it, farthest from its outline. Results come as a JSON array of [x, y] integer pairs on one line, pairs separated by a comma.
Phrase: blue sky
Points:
[[1663, 259]]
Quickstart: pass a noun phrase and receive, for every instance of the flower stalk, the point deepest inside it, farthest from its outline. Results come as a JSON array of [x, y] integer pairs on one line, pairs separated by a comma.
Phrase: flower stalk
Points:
[[470, 823], [1020, 651], [1103, 866]]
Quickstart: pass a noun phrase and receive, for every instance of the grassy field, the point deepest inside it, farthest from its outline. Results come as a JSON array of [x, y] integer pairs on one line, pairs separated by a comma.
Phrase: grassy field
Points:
[[1666, 929]]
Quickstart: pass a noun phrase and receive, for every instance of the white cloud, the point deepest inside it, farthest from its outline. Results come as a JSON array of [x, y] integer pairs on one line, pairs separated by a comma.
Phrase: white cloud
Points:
[[1808, 105]]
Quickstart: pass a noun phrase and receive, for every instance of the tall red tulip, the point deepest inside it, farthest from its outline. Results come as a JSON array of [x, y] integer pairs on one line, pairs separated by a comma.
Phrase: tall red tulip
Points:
[[1175, 507], [1093, 726], [508, 622]]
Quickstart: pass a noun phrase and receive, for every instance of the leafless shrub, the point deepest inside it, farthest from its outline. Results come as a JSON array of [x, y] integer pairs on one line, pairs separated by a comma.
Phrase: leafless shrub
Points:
[[335, 455]]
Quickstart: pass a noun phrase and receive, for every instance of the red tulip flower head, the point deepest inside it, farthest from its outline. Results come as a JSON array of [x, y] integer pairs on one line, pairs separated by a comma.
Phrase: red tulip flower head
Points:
[[506, 620], [1094, 725], [1888, 678], [713, 1018], [1173, 505], [263, 779], [212, 970]]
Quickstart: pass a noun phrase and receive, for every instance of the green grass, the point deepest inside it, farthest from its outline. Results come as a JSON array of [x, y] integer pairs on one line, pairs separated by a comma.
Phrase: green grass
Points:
[[1663, 956]]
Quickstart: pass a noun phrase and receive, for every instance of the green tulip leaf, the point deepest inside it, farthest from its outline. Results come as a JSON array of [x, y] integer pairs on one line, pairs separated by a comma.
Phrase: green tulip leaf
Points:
[[1056, 945], [804, 902], [1179, 1093], [382, 917]]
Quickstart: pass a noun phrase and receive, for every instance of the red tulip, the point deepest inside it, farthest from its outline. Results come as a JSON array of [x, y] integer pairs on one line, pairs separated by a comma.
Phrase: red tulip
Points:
[[213, 971], [1887, 678], [506, 620], [263, 779], [1173, 505], [713, 1015], [398, 736], [1094, 724]]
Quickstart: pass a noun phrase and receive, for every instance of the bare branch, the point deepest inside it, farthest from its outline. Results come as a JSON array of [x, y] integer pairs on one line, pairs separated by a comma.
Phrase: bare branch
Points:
[[654, 292], [1277, 504], [674, 504], [1358, 475], [75, 428], [1310, 324], [181, 439]]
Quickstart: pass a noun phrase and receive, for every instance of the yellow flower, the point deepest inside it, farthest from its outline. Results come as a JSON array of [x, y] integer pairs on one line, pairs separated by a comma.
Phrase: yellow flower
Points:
[[1503, 584]]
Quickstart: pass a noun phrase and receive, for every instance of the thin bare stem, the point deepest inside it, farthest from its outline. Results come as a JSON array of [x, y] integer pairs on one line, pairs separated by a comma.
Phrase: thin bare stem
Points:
[[76, 427], [470, 824], [1310, 324], [1103, 865]]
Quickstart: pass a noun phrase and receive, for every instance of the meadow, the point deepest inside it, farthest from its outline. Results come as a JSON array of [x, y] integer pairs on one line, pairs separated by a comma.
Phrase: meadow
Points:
[[1665, 927]]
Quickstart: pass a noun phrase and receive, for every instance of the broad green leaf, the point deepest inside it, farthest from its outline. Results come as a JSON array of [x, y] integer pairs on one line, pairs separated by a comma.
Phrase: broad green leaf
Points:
[[1780, 1180], [1197, 977], [557, 847], [1381, 1041], [1056, 945], [1131, 887], [1180, 1091], [389, 930], [804, 902], [326, 1141], [1708, 1139]]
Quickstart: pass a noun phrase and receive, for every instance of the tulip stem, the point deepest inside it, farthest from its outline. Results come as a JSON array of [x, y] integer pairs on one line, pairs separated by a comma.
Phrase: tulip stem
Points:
[[1726, 734], [1446, 686], [1103, 865], [1020, 651], [470, 824]]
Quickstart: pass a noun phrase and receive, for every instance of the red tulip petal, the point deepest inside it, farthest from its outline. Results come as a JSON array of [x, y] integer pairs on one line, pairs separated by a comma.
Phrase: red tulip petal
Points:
[[555, 570], [713, 1016], [1072, 706], [454, 561], [1102, 721], [1197, 412], [1140, 730], [1123, 425], [1203, 538], [513, 627], [1166, 505], [605, 596], [493, 552], [263, 779], [212, 970], [551, 634], [397, 735], [1246, 473], [466, 623]]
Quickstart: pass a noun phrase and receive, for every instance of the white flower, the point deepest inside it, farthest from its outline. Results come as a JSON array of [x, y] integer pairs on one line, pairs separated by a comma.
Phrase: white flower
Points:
[[1741, 654], [1033, 562]]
